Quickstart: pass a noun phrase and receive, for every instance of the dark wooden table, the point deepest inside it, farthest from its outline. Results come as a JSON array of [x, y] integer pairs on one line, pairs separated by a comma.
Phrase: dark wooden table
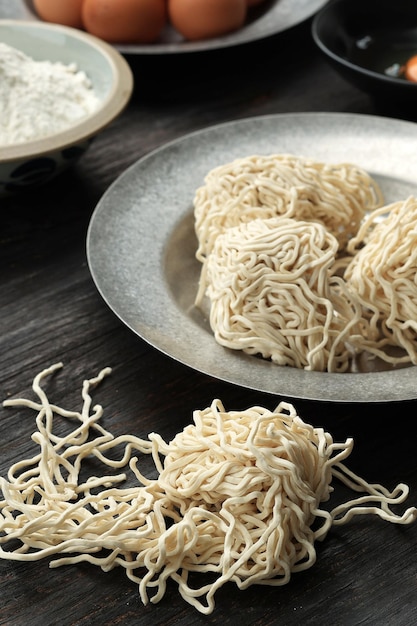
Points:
[[50, 311]]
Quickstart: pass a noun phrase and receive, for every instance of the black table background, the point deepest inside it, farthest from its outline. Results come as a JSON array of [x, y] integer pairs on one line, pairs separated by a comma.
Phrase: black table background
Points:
[[50, 311]]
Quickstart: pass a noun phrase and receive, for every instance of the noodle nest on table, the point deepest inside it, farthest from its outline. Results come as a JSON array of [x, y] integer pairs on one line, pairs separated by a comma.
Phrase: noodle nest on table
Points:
[[236, 498]]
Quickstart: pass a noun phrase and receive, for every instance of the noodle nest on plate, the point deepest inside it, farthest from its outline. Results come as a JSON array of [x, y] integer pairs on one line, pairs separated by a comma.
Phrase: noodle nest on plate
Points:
[[336, 195], [272, 293], [383, 276], [303, 265], [237, 497]]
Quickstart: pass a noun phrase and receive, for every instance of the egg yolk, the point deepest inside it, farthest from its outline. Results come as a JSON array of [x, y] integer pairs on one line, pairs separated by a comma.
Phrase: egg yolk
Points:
[[410, 71]]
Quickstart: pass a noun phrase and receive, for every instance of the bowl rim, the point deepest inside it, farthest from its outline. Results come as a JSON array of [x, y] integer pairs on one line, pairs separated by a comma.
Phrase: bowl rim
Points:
[[114, 103], [397, 83]]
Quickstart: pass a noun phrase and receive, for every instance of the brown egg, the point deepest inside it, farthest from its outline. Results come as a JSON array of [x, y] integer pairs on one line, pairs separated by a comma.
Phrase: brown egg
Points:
[[125, 21], [211, 18], [67, 12]]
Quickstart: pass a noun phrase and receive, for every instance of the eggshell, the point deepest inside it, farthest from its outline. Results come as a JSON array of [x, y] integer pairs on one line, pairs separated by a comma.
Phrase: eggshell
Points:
[[211, 18], [125, 21], [67, 12]]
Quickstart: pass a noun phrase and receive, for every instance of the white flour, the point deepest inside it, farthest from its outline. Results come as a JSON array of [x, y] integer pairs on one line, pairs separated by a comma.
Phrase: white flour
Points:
[[40, 98]]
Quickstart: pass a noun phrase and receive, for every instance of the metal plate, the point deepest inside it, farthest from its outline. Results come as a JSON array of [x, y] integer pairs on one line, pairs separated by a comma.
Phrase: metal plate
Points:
[[141, 242], [271, 18]]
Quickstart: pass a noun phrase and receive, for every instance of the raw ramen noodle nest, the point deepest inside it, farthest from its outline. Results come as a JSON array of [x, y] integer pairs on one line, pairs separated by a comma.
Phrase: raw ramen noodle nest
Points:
[[237, 498], [272, 293], [336, 195], [383, 276]]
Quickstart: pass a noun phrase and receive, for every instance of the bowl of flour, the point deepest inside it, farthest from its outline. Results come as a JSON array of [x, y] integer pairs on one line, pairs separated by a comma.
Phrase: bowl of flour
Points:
[[59, 87]]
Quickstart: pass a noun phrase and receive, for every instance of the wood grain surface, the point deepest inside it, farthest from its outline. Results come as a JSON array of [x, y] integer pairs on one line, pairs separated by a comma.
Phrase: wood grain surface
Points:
[[50, 311]]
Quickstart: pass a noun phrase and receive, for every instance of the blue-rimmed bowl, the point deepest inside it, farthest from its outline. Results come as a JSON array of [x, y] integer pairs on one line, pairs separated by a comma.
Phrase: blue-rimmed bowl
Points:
[[24, 166]]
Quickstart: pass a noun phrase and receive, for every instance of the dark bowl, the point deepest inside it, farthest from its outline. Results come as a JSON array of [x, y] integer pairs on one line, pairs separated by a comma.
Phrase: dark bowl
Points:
[[368, 42]]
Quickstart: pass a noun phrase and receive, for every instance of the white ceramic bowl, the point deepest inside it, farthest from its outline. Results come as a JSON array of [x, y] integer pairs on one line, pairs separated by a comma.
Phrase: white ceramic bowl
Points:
[[27, 165]]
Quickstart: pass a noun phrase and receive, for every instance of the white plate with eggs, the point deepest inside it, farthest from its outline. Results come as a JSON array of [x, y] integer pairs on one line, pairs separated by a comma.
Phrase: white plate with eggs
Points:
[[269, 18]]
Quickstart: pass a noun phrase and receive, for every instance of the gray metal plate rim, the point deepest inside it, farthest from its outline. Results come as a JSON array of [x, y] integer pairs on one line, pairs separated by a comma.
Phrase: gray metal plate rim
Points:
[[140, 242]]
